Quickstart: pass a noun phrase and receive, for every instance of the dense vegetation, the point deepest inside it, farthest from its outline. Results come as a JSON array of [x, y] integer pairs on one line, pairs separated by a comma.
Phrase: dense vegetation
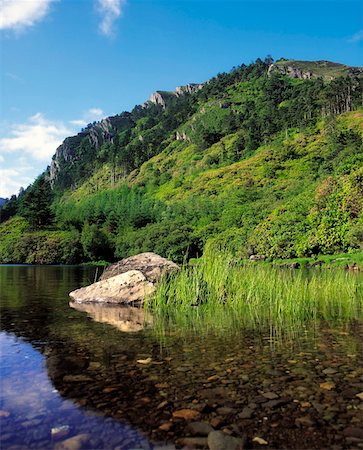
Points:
[[254, 162], [220, 293]]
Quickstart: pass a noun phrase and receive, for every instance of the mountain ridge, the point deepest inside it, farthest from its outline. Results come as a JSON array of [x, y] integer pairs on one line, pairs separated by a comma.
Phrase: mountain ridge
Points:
[[110, 125], [254, 161]]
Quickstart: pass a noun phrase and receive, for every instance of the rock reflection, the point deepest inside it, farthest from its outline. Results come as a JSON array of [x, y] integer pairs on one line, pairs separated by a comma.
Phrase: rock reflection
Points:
[[125, 318]]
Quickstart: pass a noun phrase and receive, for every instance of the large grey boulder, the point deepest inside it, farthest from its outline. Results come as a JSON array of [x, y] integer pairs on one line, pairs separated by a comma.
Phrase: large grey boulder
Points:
[[127, 288], [152, 266], [129, 281]]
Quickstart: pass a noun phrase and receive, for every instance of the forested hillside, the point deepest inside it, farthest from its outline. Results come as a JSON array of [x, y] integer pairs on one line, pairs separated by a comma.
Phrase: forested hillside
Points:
[[266, 159]]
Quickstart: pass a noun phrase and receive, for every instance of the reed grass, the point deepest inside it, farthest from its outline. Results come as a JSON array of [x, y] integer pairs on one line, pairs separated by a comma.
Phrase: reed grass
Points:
[[217, 293]]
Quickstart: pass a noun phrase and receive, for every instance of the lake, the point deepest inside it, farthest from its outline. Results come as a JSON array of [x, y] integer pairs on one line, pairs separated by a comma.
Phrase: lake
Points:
[[85, 376]]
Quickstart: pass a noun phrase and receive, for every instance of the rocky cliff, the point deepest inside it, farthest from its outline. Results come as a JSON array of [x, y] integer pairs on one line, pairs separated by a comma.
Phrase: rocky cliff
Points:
[[162, 98], [291, 71], [93, 136]]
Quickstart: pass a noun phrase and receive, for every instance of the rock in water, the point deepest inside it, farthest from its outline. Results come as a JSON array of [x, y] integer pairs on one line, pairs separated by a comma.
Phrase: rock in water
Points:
[[73, 443], [217, 440], [199, 428], [186, 414], [150, 264], [126, 288]]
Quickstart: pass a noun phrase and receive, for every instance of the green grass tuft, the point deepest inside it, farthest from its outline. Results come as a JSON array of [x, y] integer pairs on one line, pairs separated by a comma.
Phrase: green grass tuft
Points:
[[216, 293]]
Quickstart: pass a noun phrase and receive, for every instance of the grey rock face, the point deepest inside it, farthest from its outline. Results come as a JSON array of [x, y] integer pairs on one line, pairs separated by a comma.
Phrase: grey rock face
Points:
[[152, 266], [163, 97], [189, 88], [291, 71]]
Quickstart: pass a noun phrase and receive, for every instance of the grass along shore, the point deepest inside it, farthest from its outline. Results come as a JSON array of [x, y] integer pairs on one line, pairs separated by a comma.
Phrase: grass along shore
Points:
[[217, 293]]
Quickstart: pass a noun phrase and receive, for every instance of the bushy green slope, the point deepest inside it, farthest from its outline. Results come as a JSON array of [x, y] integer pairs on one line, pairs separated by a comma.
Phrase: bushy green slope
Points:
[[254, 162]]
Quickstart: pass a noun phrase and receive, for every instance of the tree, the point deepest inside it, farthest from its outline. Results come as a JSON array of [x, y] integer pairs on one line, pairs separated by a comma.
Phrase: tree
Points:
[[95, 243], [9, 209], [35, 206]]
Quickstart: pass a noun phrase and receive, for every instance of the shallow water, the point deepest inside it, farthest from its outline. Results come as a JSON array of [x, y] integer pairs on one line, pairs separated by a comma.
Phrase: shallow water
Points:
[[95, 372]]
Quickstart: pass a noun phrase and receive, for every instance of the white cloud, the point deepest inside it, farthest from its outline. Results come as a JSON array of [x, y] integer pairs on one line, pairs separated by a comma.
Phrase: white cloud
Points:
[[19, 14], [110, 11], [12, 179], [78, 122], [26, 148], [37, 137], [357, 37], [97, 112], [91, 115]]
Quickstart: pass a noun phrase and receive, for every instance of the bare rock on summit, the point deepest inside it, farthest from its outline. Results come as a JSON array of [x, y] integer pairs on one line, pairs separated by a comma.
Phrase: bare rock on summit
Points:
[[129, 287], [150, 264]]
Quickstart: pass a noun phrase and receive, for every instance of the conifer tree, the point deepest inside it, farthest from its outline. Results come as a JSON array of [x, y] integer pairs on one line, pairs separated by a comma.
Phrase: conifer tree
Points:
[[36, 204]]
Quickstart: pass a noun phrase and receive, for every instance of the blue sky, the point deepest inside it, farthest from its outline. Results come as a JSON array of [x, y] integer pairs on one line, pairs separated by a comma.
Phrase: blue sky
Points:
[[65, 63]]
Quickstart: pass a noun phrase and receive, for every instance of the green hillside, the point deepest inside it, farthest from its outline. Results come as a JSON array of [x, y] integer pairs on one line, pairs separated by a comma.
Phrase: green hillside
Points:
[[255, 161]]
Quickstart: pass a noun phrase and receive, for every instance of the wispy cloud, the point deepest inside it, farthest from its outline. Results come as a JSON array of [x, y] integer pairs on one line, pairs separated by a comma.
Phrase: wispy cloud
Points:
[[38, 137], [14, 77], [95, 112], [110, 11], [90, 115], [357, 37], [20, 14]]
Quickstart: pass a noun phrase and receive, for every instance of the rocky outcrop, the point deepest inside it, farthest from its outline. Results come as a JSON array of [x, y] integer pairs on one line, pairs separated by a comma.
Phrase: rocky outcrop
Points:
[[307, 70], [182, 136], [151, 265], [291, 71], [188, 89], [64, 153], [93, 136], [162, 98], [355, 71], [129, 281], [128, 288], [255, 258]]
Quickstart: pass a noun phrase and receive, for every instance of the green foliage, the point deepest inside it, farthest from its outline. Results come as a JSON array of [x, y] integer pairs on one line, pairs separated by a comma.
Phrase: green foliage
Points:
[[36, 204], [252, 162], [216, 290], [95, 243], [19, 245], [9, 208], [174, 240]]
